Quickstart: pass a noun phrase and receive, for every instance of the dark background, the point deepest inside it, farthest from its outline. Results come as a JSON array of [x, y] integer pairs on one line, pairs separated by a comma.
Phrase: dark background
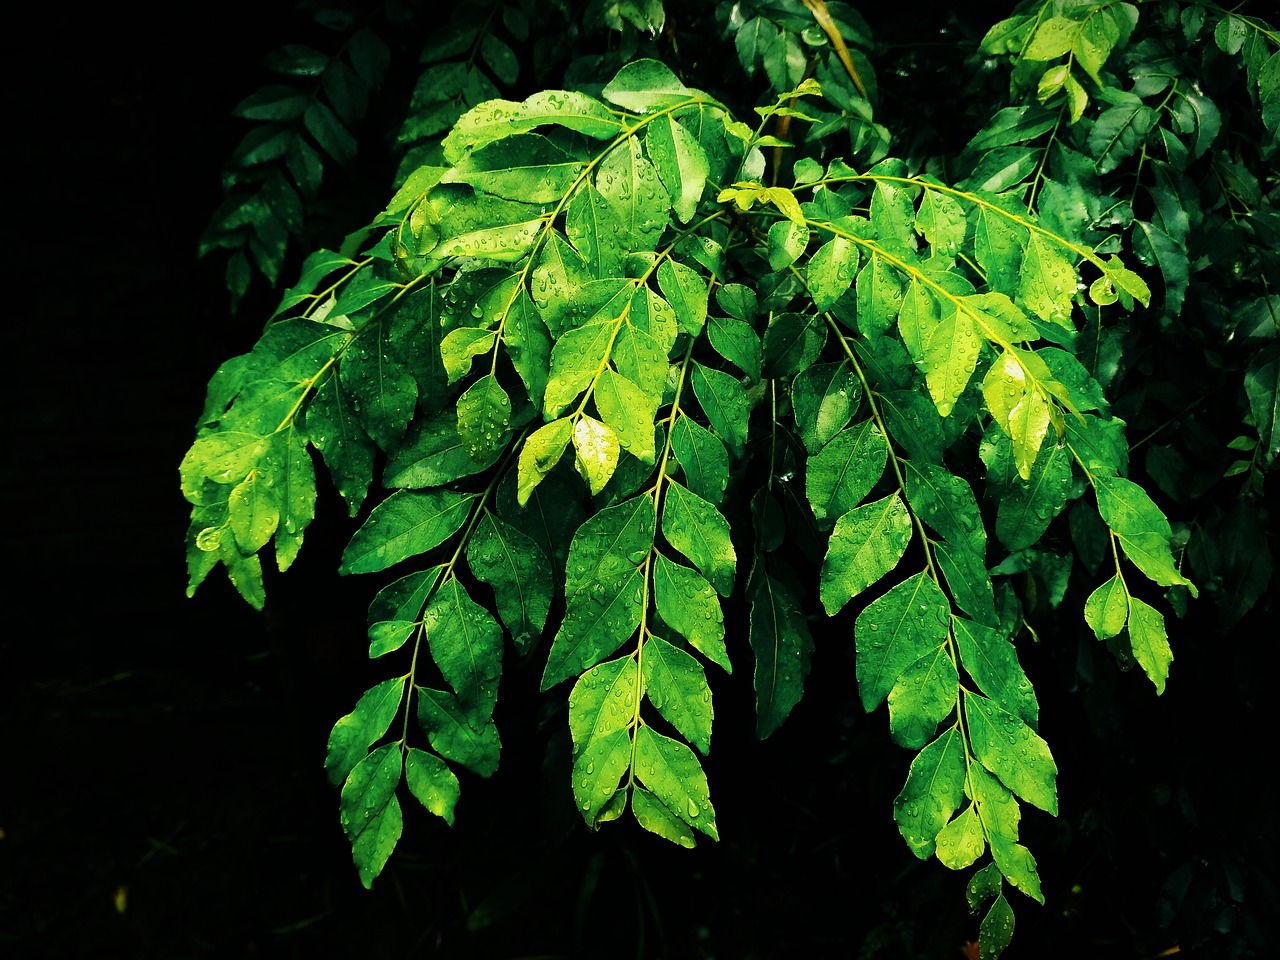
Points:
[[161, 784]]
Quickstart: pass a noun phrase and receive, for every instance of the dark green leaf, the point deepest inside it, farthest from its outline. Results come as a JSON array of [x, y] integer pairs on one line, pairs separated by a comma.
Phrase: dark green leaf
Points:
[[782, 645]]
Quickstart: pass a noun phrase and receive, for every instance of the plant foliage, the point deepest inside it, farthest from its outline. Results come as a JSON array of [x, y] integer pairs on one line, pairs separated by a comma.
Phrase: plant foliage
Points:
[[620, 357]]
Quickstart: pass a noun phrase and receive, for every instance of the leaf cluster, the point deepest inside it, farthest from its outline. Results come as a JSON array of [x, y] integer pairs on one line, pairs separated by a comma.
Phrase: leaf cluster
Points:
[[618, 359]]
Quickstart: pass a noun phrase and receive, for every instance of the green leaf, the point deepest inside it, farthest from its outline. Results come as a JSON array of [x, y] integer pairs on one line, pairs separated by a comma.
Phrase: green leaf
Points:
[[950, 355], [787, 241], [671, 772], [924, 694], [1012, 751], [496, 119], [460, 346], [1107, 609], [992, 662], [998, 242], [596, 450], [407, 523], [576, 359], [1000, 816], [272, 102], [1141, 528], [961, 841], [780, 639], [687, 293], [1028, 507], [1120, 131], [432, 782], [645, 86], [831, 270], [1262, 386], [736, 341], [724, 401], [603, 586], [370, 812], [332, 137], [463, 735], [352, 735], [941, 220], [629, 411], [1052, 38], [1094, 42], [603, 702], [995, 933], [879, 293], [652, 814], [866, 544], [792, 342], [676, 684], [933, 792], [1046, 281], [698, 530], [466, 644], [1150, 642], [967, 578], [702, 457], [845, 470], [524, 167], [396, 611], [681, 162], [432, 455], [982, 886], [946, 503], [540, 453], [254, 512], [632, 187], [689, 606], [894, 631], [824, 397]]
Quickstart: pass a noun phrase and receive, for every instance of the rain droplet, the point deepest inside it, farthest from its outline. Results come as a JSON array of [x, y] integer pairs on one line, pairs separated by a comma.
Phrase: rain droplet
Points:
[[693, 808]]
